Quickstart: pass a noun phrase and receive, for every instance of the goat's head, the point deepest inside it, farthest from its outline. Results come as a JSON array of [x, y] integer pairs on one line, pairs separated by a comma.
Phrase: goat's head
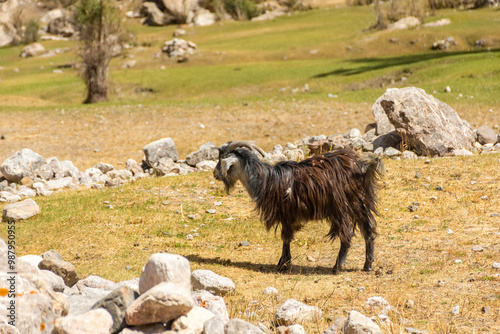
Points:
[[229, 168]]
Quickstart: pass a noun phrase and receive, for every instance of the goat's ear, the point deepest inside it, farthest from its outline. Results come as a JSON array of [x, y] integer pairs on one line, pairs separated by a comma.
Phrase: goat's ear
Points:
[[226, 163]]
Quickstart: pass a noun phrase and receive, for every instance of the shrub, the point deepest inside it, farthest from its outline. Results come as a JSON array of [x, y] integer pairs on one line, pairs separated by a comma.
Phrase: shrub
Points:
[[30, 34], [241, 9]]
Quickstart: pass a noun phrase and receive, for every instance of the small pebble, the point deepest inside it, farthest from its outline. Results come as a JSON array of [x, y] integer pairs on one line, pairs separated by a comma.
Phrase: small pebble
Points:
[[192, 216], [485, 309], [211, 211], [128, 267], [109, 206], [433, 198], [410, 304], [310, 258], [217, 203], [439, 188], [441, 283], [415, 217], [412, 208], [270, 291], [189, 237], [244, 243], [455, 309], [418, 175], [458, 261], [484, 198], [449, 231], [477, 249], [105, 202], [496, 265], [494, 214], [427, 161], [362, 288]]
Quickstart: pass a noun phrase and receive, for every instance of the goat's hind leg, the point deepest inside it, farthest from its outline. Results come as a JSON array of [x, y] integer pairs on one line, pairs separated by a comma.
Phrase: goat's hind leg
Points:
[[285, 261], [341, 258], [369, 233]]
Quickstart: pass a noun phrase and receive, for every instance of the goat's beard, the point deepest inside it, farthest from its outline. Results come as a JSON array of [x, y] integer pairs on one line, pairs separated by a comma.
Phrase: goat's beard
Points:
[[229, 183]]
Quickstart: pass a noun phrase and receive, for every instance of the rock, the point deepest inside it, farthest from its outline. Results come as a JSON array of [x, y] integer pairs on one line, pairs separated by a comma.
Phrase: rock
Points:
[[214, 304], [213, 326], [358, 323], [34, 260], [390, 139], [6, 196], [179, 32], [68, 169], [178, 47], [391, 152], [353, 133], [41, 189], [337, 326], [206, 151], [270, 291], [268, 15], [486, 136], [429, 126], [62, 268], [192, 322], [158, 328], [163, 148], [32, 50], [162, 303], [295, 329], [116, 303], [404, 23], [455, 309], [104, 167], [93, 281], [204, 17], [166, 267], [55, 281], [82, 301], [8, 34], [210, 281], [97, 321], [134, 167], [409, 155], [238, 326], [496, 265], [166, 166], [132, 284], [20, 210], [383, 125], [153, 15], [22, 163], [25, 191], [51, 254], [205, 166], [293, 311], [438, 23], [462, 152], [65, 182], [477, 248], [411, 330], [378, 304]]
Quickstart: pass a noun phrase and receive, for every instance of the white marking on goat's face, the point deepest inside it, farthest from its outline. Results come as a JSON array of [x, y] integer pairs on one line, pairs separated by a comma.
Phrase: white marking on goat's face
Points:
[[226, 163]]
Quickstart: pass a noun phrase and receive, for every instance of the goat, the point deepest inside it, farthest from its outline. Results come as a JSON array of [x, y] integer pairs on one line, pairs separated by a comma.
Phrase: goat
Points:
[[338, 186]]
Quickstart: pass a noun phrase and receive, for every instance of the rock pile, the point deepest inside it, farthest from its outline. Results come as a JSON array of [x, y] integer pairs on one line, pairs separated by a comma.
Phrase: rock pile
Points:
[[178, 47], [409, 124], [52, 299]]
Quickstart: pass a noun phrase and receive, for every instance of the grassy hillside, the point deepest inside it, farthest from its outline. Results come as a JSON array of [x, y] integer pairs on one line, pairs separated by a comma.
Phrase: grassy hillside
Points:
[[331, 50]]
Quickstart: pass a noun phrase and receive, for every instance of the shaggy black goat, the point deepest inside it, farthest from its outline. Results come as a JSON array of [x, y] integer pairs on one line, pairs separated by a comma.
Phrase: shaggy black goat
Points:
[[338, 186]]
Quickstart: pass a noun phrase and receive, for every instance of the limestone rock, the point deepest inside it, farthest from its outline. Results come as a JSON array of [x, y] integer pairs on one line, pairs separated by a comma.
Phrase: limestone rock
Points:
[[336, 327], [116, 303], [210, 281], [65, 182], [166, 267], [22, 163], [166, 166], [162, 303], [213, 326], [206, 151], [358, 323], [93, 281], [6, 196], [486, 136], [134, 167], [193, 321], [427, 125], [405, 23], [32, 50], [153, 16], [55, 281], [163, 148], [236, 326], [104, 167], [62, 268], [97, 321], [293, 311], [214, 304], [178, 47], [20, 210], [82, 300]]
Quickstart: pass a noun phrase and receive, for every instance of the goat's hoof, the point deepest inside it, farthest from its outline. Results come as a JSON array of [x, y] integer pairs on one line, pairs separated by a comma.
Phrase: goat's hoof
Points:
[[336, 271], [284, 268], [368, 267]]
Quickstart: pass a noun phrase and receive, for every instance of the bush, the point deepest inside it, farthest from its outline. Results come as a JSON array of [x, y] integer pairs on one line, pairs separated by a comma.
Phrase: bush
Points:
[[241, 9], [30, 34]]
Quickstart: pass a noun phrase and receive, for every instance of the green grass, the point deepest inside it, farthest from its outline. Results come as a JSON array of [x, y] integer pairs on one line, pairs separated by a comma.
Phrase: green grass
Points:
[[245, 61]]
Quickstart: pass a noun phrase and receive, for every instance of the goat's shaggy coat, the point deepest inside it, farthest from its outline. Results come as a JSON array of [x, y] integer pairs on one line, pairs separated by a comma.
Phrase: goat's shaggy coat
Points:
[[338, 186]]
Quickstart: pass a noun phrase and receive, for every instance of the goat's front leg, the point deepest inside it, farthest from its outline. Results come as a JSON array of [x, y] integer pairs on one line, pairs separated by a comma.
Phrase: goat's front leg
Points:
[[285, 262], [341, 258]]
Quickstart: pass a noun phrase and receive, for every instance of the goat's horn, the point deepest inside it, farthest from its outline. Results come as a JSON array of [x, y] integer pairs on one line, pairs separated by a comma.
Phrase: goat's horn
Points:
[[245, 143]]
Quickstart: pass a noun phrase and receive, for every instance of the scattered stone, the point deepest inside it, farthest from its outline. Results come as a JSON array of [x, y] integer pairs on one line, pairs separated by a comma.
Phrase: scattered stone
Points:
[[211, 211], [413, 208], [429, 126], [244, 243], [213, 326], [97, 321], [455, 310], [93, 281], [23, 163], [214, 304], [270, 291], [161, 303], [163, 148], [337, 326], [65, 182], [477, 248], [486, 136], [20, 210], [116, 303], [52, 254], [496, 265], [293, 311], [358, 323], [166, 267], [462, 152], [55, 281], [411, 330], [193, 321], [405, 23], [134, 167], [378, 304], [62, 268], [210, 281], [178, 47], [241, 326], [6, 196], [32, 50], [485, 309], [206, 151]]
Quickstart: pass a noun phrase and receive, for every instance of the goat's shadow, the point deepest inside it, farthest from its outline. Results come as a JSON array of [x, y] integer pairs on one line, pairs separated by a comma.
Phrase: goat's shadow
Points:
[[265, 268]]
